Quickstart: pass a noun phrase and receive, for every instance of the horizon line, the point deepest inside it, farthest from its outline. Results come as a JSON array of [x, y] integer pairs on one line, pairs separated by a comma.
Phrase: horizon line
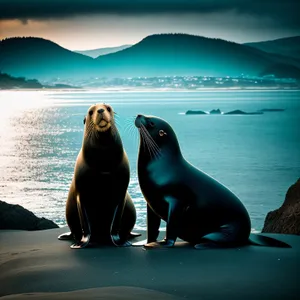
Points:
[[170, 33]]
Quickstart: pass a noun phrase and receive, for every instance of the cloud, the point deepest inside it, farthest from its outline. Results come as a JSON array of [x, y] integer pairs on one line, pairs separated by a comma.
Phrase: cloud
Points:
[[285, 12]]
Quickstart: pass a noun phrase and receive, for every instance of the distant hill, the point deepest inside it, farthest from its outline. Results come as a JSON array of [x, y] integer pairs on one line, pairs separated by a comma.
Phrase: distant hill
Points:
[[39, 58], [9, 82], [182, 54], [156, 55], [286, 46], [102, 51]]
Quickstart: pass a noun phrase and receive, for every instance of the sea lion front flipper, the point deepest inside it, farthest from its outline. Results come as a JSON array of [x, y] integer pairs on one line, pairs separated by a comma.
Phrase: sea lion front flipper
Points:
[[174, 216], [133, 235], [116, 239], [67, 236], [85, 225], [153, 223]]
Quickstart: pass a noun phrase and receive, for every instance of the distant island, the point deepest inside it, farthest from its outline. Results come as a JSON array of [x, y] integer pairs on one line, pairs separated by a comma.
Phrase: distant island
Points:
[[233, 112], [9, 82], [159, 60]]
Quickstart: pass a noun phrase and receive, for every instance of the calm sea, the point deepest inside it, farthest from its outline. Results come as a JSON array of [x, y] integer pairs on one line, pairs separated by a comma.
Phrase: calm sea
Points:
[[256, 156]]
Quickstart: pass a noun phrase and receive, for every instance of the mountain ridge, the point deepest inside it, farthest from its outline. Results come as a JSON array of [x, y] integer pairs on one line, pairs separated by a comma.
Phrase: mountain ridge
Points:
[[94, 53], [289, 46], [155, 55]]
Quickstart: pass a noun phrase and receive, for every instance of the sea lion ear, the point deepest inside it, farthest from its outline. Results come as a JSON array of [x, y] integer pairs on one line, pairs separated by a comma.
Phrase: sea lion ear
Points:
[[162, 133], [84, 120]]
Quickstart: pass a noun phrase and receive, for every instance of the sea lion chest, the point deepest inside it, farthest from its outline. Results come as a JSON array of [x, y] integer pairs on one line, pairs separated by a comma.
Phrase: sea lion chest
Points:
[[159, 179], [100, 181]]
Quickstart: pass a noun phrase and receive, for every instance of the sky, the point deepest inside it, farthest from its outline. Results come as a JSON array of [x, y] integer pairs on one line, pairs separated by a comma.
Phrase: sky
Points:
[[90, 24]]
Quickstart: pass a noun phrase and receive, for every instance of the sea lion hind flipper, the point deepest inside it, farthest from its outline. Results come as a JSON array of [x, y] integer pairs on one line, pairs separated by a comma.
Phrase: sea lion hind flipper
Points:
[[67, 236], [224, 238], [261, 240], [85, 226]]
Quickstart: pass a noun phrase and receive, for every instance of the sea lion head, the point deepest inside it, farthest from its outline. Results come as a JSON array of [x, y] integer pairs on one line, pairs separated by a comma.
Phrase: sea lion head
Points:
[[157, 136], [99, 118]]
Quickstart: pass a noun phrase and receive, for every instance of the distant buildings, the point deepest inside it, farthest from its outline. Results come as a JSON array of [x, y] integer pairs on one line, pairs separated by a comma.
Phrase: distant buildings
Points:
[[184, 82]]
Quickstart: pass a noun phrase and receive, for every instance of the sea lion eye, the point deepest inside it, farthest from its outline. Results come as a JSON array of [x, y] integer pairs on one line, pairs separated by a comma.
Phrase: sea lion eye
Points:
[[162, 133], [151, 124], [90, 112], [108, 109]]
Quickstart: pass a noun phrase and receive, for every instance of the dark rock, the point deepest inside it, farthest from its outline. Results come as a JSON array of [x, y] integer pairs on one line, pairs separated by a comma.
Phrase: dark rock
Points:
[[215, 112], [271, 109], [195, 112], [286, 219], [240, 112], [17, 217]]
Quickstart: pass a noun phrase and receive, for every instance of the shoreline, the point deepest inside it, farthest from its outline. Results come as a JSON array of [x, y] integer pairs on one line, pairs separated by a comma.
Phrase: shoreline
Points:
[[157, 90], [32, 264]]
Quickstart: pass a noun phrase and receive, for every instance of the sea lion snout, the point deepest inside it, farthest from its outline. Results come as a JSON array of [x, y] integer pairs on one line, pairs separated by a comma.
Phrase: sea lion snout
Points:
[[138, 120], [100, 111]]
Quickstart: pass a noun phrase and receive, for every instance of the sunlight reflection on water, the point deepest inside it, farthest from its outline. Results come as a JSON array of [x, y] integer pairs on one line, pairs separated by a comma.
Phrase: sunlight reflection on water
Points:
[[41, 134]]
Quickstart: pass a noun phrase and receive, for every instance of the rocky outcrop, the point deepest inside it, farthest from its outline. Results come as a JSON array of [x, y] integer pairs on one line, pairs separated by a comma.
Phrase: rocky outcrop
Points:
[[17, 217], [240, 112], [215, 112], [195, 112], [286, 219]]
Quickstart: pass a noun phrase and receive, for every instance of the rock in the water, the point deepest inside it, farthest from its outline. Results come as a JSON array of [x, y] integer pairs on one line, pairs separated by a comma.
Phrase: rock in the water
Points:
[[215, 112], [195, 112], [240, 112], [17, 217], [286, 219]]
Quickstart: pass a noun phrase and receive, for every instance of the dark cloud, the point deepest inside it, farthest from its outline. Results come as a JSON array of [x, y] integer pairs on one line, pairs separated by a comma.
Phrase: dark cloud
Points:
[[283, 12]]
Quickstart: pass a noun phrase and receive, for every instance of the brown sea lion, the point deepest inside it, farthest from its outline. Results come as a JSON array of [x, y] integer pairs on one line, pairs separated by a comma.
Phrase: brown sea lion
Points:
[[99, 208]]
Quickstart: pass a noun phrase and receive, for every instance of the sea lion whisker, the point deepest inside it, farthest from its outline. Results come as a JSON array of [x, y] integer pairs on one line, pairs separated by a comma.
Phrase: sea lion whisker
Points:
[[150, 144], [117, 122], [129, 119], [127, 128], [145, 142], [150, 137], [132, 131]]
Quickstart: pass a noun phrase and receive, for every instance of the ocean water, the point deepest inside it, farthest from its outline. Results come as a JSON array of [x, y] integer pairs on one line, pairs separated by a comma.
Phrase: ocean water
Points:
[[256, 156]]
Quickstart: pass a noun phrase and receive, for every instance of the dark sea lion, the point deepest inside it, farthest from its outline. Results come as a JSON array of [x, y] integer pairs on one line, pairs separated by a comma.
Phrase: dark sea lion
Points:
[[197, 208], [99, 208]]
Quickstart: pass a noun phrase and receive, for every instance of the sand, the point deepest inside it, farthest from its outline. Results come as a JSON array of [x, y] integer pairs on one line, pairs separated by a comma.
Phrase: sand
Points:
[[39, 266]]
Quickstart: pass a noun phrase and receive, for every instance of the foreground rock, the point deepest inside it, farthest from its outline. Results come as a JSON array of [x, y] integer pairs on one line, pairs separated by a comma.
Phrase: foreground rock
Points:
[[17, 217], [286, 219]]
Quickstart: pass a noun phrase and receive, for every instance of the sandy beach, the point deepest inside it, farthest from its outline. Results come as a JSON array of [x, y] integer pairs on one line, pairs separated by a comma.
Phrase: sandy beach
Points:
[[39, 266]]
